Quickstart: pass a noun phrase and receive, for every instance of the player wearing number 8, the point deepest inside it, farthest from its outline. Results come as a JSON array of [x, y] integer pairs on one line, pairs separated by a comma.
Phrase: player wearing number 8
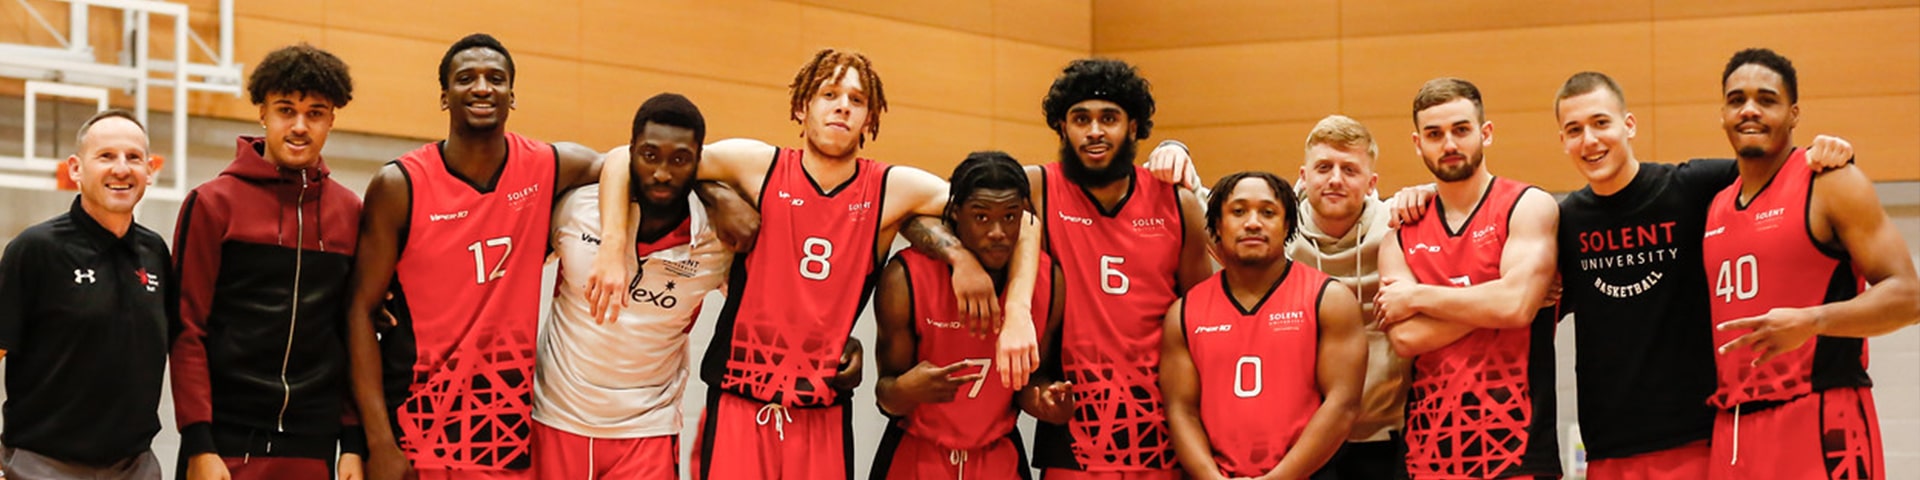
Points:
[[1262, 363], [1788, 252], [949, 419]]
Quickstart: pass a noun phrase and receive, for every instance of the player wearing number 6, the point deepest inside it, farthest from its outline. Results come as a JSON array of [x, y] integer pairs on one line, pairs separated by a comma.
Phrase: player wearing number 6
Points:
[[949, 420], [1787, 253], [1261, 363]]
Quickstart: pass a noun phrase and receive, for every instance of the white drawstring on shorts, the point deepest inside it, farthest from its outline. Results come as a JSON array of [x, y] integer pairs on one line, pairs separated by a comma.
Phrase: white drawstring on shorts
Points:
[[777, 414], [958, 458], [1736, 435]]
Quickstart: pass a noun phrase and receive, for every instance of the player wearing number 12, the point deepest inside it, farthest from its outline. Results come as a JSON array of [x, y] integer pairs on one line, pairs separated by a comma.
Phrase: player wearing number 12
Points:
[[1788, 253], [1262, 363]]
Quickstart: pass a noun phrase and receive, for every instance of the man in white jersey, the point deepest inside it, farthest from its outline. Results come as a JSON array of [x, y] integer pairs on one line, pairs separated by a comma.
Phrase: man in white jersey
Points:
[[606, 400]]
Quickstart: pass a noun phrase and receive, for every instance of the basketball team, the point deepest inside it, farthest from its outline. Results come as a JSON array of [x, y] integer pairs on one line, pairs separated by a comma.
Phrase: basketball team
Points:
[[1260, 327]]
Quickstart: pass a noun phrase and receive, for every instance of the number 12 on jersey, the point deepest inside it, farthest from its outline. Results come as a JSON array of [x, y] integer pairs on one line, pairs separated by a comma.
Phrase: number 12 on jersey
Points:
[[1738, 278], [481, 248]]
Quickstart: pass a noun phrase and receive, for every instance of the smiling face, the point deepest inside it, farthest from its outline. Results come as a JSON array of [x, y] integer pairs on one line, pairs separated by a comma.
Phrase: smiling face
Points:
[[835, 119], [297, 126], [112, 167], [1757, 115], [1452, 139], [479, 91], [1594, 132]]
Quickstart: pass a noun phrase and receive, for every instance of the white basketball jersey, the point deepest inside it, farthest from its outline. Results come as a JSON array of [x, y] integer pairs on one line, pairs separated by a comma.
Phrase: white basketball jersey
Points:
[[623, 379]]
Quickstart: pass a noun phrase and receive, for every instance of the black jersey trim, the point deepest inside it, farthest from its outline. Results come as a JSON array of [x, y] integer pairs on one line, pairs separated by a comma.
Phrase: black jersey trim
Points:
[[1741, 206], [889, 448], [1440, 207], [400, 237], [1133, 182], [837, 188], [1227, 289], [1806, 224], [766, 180], [440, 150]]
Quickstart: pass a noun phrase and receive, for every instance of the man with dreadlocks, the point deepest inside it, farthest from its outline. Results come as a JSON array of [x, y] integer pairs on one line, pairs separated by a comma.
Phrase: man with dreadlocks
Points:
[[1128, 245], [780, 368], [251, 401], [948, 420]]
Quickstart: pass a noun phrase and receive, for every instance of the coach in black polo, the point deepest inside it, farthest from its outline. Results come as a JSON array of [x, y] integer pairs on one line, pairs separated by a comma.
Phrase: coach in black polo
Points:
[[83, 321]]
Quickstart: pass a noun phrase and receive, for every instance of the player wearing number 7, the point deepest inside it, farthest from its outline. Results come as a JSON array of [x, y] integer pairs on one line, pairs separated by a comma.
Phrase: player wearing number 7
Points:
[[1788, 253], [949, 420], [1262, 363]]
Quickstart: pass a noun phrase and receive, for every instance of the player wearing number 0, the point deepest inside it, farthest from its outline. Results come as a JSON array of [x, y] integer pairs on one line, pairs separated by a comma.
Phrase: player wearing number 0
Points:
[[780, 368], [1788, 254], [1127, 244], [606, 401], [1262, 363], [949, 421], [1461, 293]]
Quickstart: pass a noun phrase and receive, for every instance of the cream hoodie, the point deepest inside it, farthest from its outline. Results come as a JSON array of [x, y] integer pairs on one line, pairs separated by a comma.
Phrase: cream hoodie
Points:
[[1353, 259]]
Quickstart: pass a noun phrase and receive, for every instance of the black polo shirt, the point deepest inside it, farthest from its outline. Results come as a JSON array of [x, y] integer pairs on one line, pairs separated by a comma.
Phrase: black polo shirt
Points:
[[83, 320]]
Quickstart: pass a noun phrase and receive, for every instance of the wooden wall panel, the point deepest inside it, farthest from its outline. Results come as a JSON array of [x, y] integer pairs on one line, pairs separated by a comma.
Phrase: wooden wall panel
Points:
[[1028, 141], [920, 66], [1152, 24], [1247, 83], [751, 41], [1881, 129], [547, 28], [1679, 9], [1221, 150], [1515, 69], [1362, 18], [732, 110], [1849, 53], [928, 139], [17, 24], [395, 87], [971, 17], [1022, 74], [1064, 24], [304, 12]]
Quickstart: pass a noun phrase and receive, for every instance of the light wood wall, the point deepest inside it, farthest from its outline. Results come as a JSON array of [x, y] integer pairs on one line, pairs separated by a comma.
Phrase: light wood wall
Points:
[[961, 76], [1242, 81]]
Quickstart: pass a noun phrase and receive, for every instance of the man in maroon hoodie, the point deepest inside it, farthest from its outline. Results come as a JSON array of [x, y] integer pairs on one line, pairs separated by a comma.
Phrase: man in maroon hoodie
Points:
[[261, 256]]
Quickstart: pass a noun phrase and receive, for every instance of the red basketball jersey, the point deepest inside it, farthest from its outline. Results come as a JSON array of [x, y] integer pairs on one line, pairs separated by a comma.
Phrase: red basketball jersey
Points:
[[983, 412], [1120, 269], [1472, 408], [1257, 366], [468, 285], [799, 291], [1760, 256]]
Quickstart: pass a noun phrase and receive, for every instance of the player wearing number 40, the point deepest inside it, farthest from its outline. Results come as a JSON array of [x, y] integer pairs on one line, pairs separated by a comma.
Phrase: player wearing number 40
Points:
[[949, 421]]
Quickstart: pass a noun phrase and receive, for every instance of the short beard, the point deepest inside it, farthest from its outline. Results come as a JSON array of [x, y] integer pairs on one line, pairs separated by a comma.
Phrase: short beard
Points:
[[1465, 172], [1752, 152], [1119, 168]]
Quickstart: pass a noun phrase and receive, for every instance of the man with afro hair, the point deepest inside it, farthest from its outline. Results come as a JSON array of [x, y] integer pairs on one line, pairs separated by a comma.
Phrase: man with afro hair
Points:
[[259, 382], [1128, 244]]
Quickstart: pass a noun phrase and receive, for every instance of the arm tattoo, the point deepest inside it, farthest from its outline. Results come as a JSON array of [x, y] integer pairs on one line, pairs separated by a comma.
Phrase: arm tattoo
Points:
[[930, 236]]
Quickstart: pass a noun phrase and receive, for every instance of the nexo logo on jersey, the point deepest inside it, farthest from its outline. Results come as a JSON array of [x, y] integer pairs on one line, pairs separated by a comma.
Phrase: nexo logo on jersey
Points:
[[662, 298], [1422, 247], [953, 325], [794, 201], [1073, 219]]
